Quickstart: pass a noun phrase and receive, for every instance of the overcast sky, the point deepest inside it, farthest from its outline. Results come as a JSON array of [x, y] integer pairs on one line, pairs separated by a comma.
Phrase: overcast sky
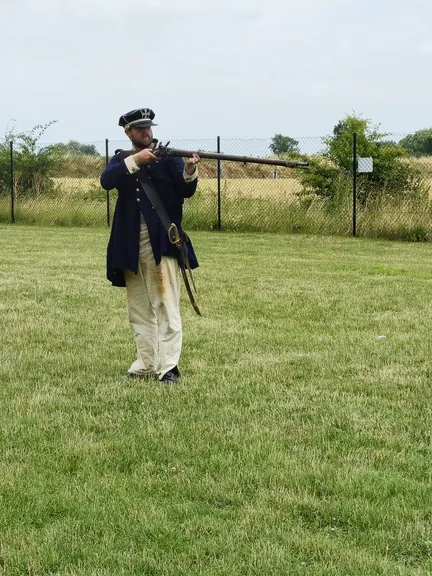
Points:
[[234, 68]]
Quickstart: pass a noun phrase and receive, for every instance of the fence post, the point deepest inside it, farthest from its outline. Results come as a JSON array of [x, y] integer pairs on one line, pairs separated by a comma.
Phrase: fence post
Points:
[[219, 200], [12, 194], [107, 192], [354, 218]]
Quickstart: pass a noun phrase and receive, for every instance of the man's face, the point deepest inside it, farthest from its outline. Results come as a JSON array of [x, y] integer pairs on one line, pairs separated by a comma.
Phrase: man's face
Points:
[[140, 137]]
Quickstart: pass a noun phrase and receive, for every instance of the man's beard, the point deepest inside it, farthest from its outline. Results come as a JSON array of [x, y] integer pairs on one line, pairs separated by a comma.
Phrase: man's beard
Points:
[[139, 145]]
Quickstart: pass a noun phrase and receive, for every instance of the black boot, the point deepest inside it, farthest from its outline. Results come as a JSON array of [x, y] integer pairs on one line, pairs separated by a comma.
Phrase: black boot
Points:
[[172, 376]]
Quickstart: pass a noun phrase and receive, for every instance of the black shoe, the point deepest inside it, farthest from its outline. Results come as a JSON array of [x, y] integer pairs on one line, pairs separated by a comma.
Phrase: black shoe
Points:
[[170, 377]]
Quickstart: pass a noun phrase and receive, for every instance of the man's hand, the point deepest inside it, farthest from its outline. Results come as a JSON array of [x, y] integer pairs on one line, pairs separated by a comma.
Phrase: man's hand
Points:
[[190, 164], [144, 157]]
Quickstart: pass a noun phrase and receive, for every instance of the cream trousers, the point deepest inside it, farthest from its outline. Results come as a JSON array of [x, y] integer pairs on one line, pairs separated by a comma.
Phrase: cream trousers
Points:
[[153, 296]]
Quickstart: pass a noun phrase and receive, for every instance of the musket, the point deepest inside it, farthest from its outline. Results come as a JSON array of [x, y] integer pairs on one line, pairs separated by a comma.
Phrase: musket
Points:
[[162, 150]]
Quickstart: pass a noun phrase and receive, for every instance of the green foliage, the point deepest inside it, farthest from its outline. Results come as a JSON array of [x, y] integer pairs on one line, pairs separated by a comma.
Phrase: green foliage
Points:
[[283, 145], [392, 176], [75, 148], [321, 177], [33, 164], [4, 167], [389, 143], [419, 143]]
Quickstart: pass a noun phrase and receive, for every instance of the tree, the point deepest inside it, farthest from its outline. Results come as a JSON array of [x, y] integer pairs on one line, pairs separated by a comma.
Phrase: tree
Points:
[[392, 174], [283, 145], [419, 143], [340, 128]]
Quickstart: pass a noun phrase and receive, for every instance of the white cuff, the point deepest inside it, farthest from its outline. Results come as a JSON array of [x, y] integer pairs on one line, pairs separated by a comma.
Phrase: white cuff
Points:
[[131, 165], [190, 177]]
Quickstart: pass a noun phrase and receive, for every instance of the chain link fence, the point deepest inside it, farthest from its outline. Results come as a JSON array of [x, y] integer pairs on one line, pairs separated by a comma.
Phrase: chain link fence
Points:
[[57, 186]]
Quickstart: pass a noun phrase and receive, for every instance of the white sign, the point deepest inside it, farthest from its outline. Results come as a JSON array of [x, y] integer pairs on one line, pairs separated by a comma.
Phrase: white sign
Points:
[[365, 165]]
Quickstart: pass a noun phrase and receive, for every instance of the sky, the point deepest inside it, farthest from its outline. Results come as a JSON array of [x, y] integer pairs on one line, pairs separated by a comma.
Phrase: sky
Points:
[[243, 69]]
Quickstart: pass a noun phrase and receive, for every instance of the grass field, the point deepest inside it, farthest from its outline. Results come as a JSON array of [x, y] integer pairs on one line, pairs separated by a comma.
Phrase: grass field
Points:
[[297, 443]]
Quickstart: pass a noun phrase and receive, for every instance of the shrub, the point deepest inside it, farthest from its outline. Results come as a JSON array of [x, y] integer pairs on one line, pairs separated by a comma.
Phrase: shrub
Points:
[[33, 165], [392, 175]]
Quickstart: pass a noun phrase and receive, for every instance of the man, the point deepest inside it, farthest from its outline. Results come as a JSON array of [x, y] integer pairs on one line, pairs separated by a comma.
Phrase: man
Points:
[[139, 254]]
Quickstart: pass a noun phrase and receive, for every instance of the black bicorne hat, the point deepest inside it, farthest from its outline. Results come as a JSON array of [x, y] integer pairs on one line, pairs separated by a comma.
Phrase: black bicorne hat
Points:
[[139, 118]]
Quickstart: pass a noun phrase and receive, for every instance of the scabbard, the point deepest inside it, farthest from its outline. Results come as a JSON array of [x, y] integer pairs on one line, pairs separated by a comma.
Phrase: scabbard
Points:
[[184, 265], [189, 290]]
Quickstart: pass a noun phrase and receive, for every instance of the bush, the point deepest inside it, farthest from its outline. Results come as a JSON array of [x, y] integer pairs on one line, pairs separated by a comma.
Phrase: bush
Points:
[[393, 176], [33, 165]]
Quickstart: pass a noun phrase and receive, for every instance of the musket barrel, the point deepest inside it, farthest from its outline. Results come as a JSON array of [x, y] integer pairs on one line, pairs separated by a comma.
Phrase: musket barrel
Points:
[[164, 151]]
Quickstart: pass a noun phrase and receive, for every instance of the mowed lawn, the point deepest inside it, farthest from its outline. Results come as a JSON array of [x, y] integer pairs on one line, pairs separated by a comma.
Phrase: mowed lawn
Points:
[[297, 443]]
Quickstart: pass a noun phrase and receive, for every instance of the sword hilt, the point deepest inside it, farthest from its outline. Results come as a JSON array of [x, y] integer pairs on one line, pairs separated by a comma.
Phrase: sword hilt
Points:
[[173, 235]]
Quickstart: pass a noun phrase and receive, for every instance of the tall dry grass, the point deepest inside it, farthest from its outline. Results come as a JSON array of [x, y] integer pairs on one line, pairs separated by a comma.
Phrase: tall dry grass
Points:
[[255, 204]]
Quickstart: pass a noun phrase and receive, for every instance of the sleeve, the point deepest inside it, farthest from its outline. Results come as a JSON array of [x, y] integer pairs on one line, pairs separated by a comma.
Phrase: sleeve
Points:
[[116, 171], [185, 185]]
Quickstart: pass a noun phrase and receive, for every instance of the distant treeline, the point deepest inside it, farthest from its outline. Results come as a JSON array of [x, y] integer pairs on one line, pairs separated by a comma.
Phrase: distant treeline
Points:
[[75, 148]]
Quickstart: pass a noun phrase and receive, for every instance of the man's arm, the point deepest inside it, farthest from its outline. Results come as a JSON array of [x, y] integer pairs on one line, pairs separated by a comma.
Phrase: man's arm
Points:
[[119, 168], [184, 175], [114, 173]]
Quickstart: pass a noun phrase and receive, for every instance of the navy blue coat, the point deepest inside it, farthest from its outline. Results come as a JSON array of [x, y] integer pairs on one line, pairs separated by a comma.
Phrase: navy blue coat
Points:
[[123, 247]]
